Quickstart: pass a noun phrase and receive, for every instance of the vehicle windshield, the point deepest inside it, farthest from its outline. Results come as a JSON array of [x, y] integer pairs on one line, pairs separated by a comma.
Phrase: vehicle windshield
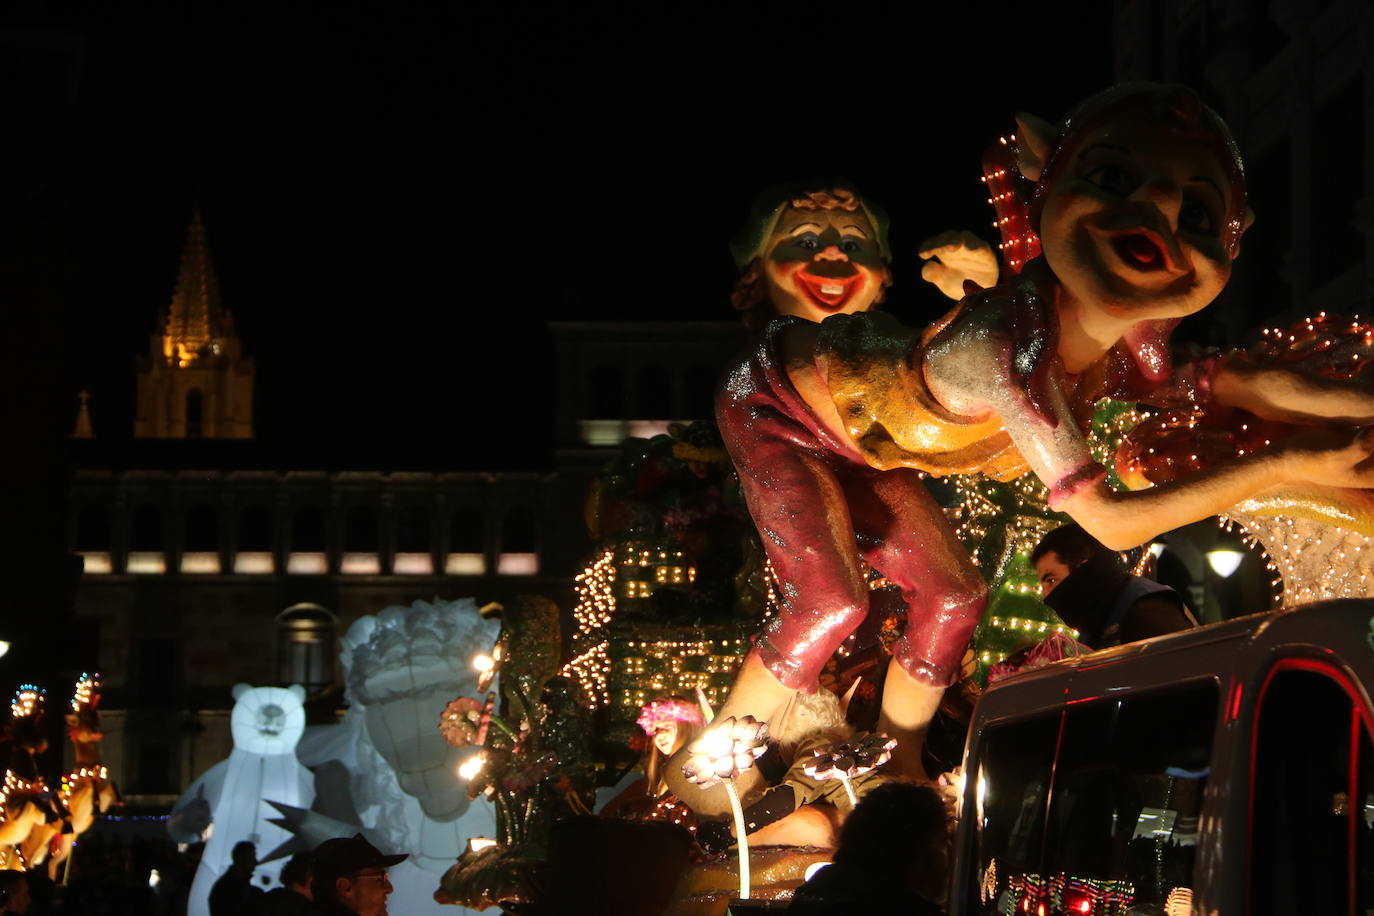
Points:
[[1113, 825]]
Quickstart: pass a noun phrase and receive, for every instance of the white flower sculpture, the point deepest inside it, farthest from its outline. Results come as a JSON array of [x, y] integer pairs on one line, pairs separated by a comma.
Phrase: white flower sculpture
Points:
[[847, 762], [726, 749]]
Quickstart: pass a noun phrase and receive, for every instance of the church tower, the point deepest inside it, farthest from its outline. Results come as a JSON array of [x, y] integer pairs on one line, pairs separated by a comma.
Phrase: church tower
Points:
[[195, 382]]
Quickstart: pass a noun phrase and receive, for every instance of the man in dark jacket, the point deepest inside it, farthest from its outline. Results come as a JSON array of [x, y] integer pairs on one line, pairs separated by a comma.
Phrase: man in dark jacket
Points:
[[1084, 583], [233, 893], [350, 877]]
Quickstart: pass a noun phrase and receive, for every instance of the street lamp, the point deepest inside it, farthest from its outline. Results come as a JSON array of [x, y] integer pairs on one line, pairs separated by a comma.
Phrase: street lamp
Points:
[[1224, 560]]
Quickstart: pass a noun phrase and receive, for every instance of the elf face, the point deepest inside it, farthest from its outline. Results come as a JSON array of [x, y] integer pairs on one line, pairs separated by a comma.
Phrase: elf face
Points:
[[824, 262], [1133, 225]]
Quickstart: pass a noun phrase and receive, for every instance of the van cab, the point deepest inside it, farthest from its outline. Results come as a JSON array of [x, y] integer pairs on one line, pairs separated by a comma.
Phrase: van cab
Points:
[[1223, 770]]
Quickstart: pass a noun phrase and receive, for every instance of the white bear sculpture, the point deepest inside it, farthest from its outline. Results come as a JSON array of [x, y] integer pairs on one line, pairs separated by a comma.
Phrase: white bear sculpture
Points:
[[267, 723]]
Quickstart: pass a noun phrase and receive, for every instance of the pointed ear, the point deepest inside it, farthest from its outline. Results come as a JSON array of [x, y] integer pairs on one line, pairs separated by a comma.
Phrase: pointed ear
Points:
[[240, 689], [297, 691], [1035, 137], [849, 694]]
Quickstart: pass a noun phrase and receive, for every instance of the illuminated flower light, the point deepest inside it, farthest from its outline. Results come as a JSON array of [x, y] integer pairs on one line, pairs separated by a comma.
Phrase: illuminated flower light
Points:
[[472, 766], [847, 762], [488, 666], [726, 749]]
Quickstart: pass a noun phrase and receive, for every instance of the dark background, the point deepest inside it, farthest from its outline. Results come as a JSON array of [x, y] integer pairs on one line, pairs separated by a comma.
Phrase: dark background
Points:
[[399, 196]]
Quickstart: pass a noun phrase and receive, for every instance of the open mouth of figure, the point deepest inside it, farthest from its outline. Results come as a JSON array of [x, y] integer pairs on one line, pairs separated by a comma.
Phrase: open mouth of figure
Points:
[[1143, 250], [830, 293]]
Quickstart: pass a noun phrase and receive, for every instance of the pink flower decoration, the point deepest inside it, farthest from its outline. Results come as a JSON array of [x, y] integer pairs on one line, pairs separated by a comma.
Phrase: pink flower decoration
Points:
[[666, 711], [462, 722]]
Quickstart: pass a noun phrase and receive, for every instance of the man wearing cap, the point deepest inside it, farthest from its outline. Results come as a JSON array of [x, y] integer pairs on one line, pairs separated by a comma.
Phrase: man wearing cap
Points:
[[350, 877]]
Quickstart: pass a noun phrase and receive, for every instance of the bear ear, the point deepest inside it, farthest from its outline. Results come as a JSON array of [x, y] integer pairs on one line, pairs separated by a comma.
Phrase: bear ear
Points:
[[297, 691], [1035, 139], [240, 689]]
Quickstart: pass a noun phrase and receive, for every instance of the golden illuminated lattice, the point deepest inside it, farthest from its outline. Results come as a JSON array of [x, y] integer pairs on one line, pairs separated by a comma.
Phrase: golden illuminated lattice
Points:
[[661, 661], [636, 589], [632, 572]]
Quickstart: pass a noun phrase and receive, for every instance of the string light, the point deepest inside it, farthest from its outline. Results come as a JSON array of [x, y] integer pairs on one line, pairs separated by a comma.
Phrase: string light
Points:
[[86, 687], [26, 700], [632, 572]]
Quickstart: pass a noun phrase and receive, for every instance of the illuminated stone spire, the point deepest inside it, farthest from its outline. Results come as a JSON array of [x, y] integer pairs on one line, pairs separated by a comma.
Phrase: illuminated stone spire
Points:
[[195, 382], [197, 323], [83, 429]]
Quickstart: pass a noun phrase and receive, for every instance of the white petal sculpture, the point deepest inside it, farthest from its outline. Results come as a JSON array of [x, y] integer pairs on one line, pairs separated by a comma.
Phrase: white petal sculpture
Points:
[[403, 666]]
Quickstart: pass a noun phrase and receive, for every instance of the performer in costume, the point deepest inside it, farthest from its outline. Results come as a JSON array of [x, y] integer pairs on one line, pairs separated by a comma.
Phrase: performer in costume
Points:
[[671, 723], [1139, 204]]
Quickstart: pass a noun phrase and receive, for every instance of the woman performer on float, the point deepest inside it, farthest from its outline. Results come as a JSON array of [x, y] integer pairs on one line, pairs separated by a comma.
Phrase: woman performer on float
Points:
[[1139, 204]]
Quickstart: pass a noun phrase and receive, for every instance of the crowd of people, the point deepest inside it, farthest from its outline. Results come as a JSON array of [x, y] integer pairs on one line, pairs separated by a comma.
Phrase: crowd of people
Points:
[[344, 876]]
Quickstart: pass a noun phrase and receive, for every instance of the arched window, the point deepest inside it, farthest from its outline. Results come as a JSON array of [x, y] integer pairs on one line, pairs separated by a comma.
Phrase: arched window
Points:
[[360, 530], [93, 539], [93, 528], [255, 528], [195, 411], [412, 529], [606, 393], [414, 542], [360, 542], [200, 546], [307, 529], [519, 543], [145, 529], [653, 393], [308, 542], [147, 541], [467, 549], [255, 541], [202, 529], [305, 647]]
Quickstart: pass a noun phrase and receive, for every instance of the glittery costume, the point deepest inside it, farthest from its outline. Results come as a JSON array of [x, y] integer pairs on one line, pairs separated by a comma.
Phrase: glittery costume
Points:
[[810, 494], [812, 491], [1320, 538]]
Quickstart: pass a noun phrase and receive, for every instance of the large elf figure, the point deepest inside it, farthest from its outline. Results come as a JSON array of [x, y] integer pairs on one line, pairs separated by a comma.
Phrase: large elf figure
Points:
[[1139, 205]]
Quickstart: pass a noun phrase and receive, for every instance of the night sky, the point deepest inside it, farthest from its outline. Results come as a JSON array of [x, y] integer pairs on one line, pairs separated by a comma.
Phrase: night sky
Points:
[[400, 195]]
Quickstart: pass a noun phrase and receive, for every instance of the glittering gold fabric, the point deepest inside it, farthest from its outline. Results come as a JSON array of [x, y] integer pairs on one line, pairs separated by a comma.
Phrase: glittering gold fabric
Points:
[[876, 377]]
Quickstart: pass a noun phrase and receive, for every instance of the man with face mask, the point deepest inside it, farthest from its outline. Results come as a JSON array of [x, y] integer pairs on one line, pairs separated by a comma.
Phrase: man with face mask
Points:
[[1083, 582]]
